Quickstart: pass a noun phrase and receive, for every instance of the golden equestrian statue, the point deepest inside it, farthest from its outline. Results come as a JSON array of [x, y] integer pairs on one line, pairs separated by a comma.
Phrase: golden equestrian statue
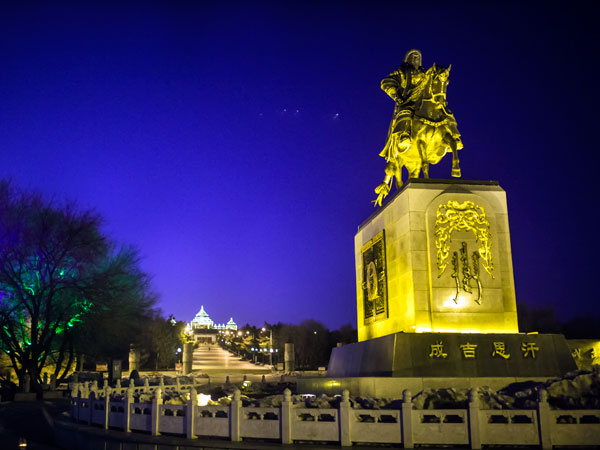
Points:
[[423, 129]]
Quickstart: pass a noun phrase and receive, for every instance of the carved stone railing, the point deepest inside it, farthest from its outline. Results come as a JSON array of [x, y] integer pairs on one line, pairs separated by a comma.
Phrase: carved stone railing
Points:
[[473, 427]]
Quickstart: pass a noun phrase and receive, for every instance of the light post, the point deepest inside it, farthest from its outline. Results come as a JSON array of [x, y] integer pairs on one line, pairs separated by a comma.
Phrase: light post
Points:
[[270, 345], [189, 335]]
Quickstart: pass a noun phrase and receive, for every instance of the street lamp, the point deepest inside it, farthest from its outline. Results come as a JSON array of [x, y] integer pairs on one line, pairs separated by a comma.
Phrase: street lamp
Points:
[[270, 345]]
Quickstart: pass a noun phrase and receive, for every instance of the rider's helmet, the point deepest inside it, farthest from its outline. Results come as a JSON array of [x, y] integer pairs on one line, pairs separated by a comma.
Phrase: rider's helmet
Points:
[[414, 58]]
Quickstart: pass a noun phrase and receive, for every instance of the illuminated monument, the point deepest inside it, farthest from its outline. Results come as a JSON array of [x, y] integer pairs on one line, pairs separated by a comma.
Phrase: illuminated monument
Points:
[[436, 258], [203, 321], [204, 330], [435, 288]]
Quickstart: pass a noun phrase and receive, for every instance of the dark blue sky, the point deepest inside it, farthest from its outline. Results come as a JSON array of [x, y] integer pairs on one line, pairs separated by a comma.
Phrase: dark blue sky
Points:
[[236, 143]]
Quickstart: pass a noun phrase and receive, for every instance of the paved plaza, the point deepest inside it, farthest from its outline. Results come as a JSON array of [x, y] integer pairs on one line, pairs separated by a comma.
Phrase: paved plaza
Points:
[[215, 360]]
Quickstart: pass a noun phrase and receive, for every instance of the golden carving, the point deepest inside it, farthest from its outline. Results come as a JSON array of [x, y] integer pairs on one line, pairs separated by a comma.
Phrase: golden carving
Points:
[[500, 350], [422, 129], [468, 273], [529, 349], [374, 283], [467, 216], [468, 350], [437, 350]]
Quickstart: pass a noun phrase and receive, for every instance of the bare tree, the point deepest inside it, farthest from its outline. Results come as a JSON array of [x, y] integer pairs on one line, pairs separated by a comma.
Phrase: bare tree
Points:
[[60, 276]]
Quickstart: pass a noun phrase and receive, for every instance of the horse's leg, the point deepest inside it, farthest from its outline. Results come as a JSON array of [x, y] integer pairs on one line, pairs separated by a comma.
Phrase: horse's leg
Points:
[[398, 173], [455, 166], [413, 167], [451, 142], [414, 172], [423, 163]]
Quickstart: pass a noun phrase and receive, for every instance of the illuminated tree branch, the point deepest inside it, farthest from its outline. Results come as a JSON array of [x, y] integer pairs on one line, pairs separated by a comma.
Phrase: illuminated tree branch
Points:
[[59, 278]]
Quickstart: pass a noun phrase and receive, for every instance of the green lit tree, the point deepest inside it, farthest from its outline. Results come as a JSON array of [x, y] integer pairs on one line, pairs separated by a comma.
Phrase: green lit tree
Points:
[[64, 287]]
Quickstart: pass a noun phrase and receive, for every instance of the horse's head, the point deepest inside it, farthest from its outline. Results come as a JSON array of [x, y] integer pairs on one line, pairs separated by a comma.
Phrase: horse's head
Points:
[[432, 103], [438, 82]]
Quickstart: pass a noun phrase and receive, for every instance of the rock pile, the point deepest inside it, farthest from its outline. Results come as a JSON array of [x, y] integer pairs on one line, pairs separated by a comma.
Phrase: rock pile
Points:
[[576, 390]]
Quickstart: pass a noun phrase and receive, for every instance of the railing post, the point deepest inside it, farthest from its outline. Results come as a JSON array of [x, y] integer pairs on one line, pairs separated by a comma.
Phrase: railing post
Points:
[[189, 413], [544, 422], [74, 389], [85, 395], [234, 414], [407, 433], [91, 401], [285, 417], [79, 405], [156, 402], [118, 386], [146, 385], [85, 391], [345, 419], [127, 409], [107, 392], [473, 417], [76, 399]]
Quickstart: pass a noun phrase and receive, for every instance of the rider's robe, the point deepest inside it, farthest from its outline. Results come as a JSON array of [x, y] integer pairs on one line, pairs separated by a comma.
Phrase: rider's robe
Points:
[[404, 86]]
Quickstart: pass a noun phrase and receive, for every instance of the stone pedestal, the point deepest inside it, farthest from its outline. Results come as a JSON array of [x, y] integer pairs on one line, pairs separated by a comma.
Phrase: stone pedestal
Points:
[[454, 355], [289, 357], [116, 370], [436, 258], [134, 358], [188, 357], [435, 292]]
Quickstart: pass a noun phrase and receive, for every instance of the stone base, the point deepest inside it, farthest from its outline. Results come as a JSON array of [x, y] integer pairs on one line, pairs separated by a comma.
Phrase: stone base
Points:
[[25, 397], [53, 394], [393, 387], [586, 352], [410, 254], [463, 355]]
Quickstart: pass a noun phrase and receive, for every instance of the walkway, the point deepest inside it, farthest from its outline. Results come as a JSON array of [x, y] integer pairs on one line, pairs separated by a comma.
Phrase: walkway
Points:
[[220, 361]]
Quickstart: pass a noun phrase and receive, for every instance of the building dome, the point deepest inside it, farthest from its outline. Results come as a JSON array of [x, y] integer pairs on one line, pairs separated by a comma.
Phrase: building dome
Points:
[[231, 325], [202, 320]]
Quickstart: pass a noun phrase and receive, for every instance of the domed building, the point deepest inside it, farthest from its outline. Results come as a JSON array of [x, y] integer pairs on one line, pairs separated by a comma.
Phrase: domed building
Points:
[[205, 329], [202, 320]]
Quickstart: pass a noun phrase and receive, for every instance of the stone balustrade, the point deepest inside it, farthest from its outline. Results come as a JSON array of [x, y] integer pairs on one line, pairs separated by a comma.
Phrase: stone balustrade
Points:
[[146, 388], [472, 427]]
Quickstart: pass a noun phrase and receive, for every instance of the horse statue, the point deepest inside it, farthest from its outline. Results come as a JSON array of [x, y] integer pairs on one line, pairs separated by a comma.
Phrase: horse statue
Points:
[[433, 133]]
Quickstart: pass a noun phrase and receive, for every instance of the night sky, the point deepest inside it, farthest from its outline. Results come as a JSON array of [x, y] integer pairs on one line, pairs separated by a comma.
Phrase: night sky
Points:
[[236, 144]]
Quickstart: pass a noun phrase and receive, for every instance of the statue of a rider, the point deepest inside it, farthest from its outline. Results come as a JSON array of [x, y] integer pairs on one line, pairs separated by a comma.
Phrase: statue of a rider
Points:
[[405, 86]]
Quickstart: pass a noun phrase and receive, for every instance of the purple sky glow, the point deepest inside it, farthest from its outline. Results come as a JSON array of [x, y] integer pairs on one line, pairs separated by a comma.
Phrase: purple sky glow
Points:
[[236, 143]]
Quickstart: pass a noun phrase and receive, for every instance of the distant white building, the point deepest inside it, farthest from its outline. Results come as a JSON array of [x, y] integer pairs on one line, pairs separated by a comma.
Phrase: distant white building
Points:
[[202, 321], [205, 330]]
